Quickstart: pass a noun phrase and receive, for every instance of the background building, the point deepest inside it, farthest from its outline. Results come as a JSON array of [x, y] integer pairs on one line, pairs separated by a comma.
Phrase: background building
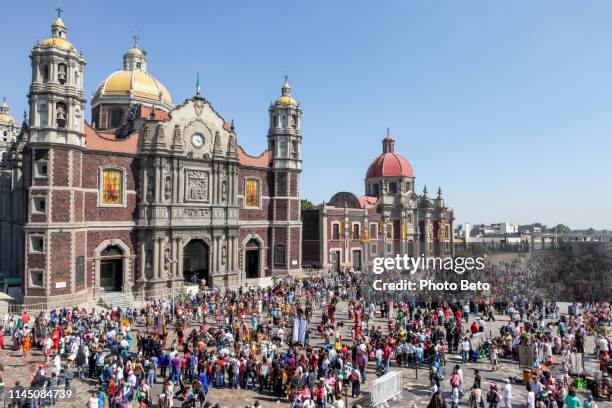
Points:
[[350, 230]]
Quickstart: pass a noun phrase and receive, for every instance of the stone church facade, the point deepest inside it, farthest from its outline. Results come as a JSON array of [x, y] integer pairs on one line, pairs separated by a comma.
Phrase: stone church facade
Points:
[[147, 193]]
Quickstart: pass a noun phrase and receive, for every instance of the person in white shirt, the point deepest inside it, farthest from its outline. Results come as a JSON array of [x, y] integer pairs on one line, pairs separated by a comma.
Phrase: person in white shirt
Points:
[[507, 394], [530, 398], [465, 350], [309, 403]]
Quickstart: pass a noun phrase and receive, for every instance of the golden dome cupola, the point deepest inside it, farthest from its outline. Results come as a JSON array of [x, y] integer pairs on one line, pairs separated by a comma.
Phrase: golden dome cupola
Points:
[[132, 86], [5, 116], [286, 98], [58, 36], [135, 59]]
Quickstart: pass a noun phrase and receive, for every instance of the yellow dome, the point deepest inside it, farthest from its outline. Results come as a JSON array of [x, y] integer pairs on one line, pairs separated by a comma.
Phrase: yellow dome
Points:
[[134, 51], [58, 42], [6, 118], [58, 22], [286, 100], [138, 85]]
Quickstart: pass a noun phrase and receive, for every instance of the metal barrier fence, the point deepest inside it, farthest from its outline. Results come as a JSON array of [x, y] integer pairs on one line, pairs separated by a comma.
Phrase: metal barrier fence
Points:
[[387, 387]]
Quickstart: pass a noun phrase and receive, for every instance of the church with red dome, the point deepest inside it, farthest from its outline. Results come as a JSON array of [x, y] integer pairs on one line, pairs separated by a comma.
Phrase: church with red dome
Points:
[[350, 230]]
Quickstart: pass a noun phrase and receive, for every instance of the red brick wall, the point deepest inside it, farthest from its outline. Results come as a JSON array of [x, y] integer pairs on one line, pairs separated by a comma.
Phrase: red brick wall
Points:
[[295, 210], [60, 206], [281, 184], [81, 250], [293, 185], [60, 168], [295, 246], [61, 261], [255, 214], [281, 209], [35, 261], [77, 157], [79, 196]]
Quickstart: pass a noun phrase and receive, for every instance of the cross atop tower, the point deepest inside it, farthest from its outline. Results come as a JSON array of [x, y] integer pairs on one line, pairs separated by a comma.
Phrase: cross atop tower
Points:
[[59, 9], [136, 39]]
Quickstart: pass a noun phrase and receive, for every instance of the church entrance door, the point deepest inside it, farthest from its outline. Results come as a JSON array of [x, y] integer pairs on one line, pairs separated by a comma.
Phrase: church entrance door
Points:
[[336, 261], [357, 260], [195, 262], [252, 257], [111, 269]]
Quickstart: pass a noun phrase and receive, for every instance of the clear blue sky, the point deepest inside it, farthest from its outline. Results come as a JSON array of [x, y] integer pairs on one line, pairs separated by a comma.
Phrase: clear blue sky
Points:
[[506, 105]]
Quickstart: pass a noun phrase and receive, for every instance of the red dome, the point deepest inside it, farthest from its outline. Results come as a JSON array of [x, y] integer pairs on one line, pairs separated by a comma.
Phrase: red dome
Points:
[[389, 163]]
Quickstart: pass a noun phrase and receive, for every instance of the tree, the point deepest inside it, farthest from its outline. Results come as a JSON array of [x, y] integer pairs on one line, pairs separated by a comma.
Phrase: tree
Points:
[[561, 229], [306, 204]]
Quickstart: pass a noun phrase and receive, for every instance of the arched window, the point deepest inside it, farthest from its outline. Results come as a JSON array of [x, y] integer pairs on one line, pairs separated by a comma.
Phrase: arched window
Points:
[[45, 73], [112, 250], [284, 121]]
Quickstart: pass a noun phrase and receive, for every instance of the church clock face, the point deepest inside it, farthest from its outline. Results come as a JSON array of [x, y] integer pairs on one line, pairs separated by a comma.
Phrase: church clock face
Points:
[[197, 140]]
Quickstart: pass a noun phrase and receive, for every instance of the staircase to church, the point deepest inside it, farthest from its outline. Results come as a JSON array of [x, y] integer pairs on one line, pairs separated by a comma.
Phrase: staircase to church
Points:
[[118, 299]]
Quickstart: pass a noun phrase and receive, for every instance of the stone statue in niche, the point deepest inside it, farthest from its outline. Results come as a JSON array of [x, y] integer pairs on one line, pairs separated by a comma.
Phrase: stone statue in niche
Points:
[[146, 136], [148, 268], [224, 191], [197, 185], [61, 73], [150, 187], [167, 258], [223, 251], [177, 138], [167, 188], [61, 112], [231, 143]]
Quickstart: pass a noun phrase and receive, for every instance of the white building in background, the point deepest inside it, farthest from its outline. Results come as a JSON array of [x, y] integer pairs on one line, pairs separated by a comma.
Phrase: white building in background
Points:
[[504, 228]]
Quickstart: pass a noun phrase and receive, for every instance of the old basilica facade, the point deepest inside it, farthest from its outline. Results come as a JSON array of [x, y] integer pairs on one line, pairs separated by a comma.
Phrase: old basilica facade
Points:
[[147, 192]]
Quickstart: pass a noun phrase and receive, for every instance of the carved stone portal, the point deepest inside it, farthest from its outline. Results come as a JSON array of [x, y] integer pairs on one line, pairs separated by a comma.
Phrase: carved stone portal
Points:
[[196, 185]]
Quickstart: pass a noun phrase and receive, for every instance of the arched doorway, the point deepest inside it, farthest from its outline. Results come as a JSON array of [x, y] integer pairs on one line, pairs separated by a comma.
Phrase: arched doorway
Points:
[[195, 261], [111, 268], [252, 257]]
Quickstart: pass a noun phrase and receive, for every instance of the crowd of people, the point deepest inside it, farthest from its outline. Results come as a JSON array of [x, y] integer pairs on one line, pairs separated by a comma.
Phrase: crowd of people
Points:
[[294, 342]]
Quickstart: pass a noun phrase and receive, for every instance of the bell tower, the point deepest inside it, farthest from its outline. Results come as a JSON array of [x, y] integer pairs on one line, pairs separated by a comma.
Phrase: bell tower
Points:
[[285, 142], [284, 134], [56, 97]]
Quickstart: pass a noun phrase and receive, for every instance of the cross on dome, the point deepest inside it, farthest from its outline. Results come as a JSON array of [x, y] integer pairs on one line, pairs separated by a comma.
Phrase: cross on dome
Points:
[[59, 9]]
